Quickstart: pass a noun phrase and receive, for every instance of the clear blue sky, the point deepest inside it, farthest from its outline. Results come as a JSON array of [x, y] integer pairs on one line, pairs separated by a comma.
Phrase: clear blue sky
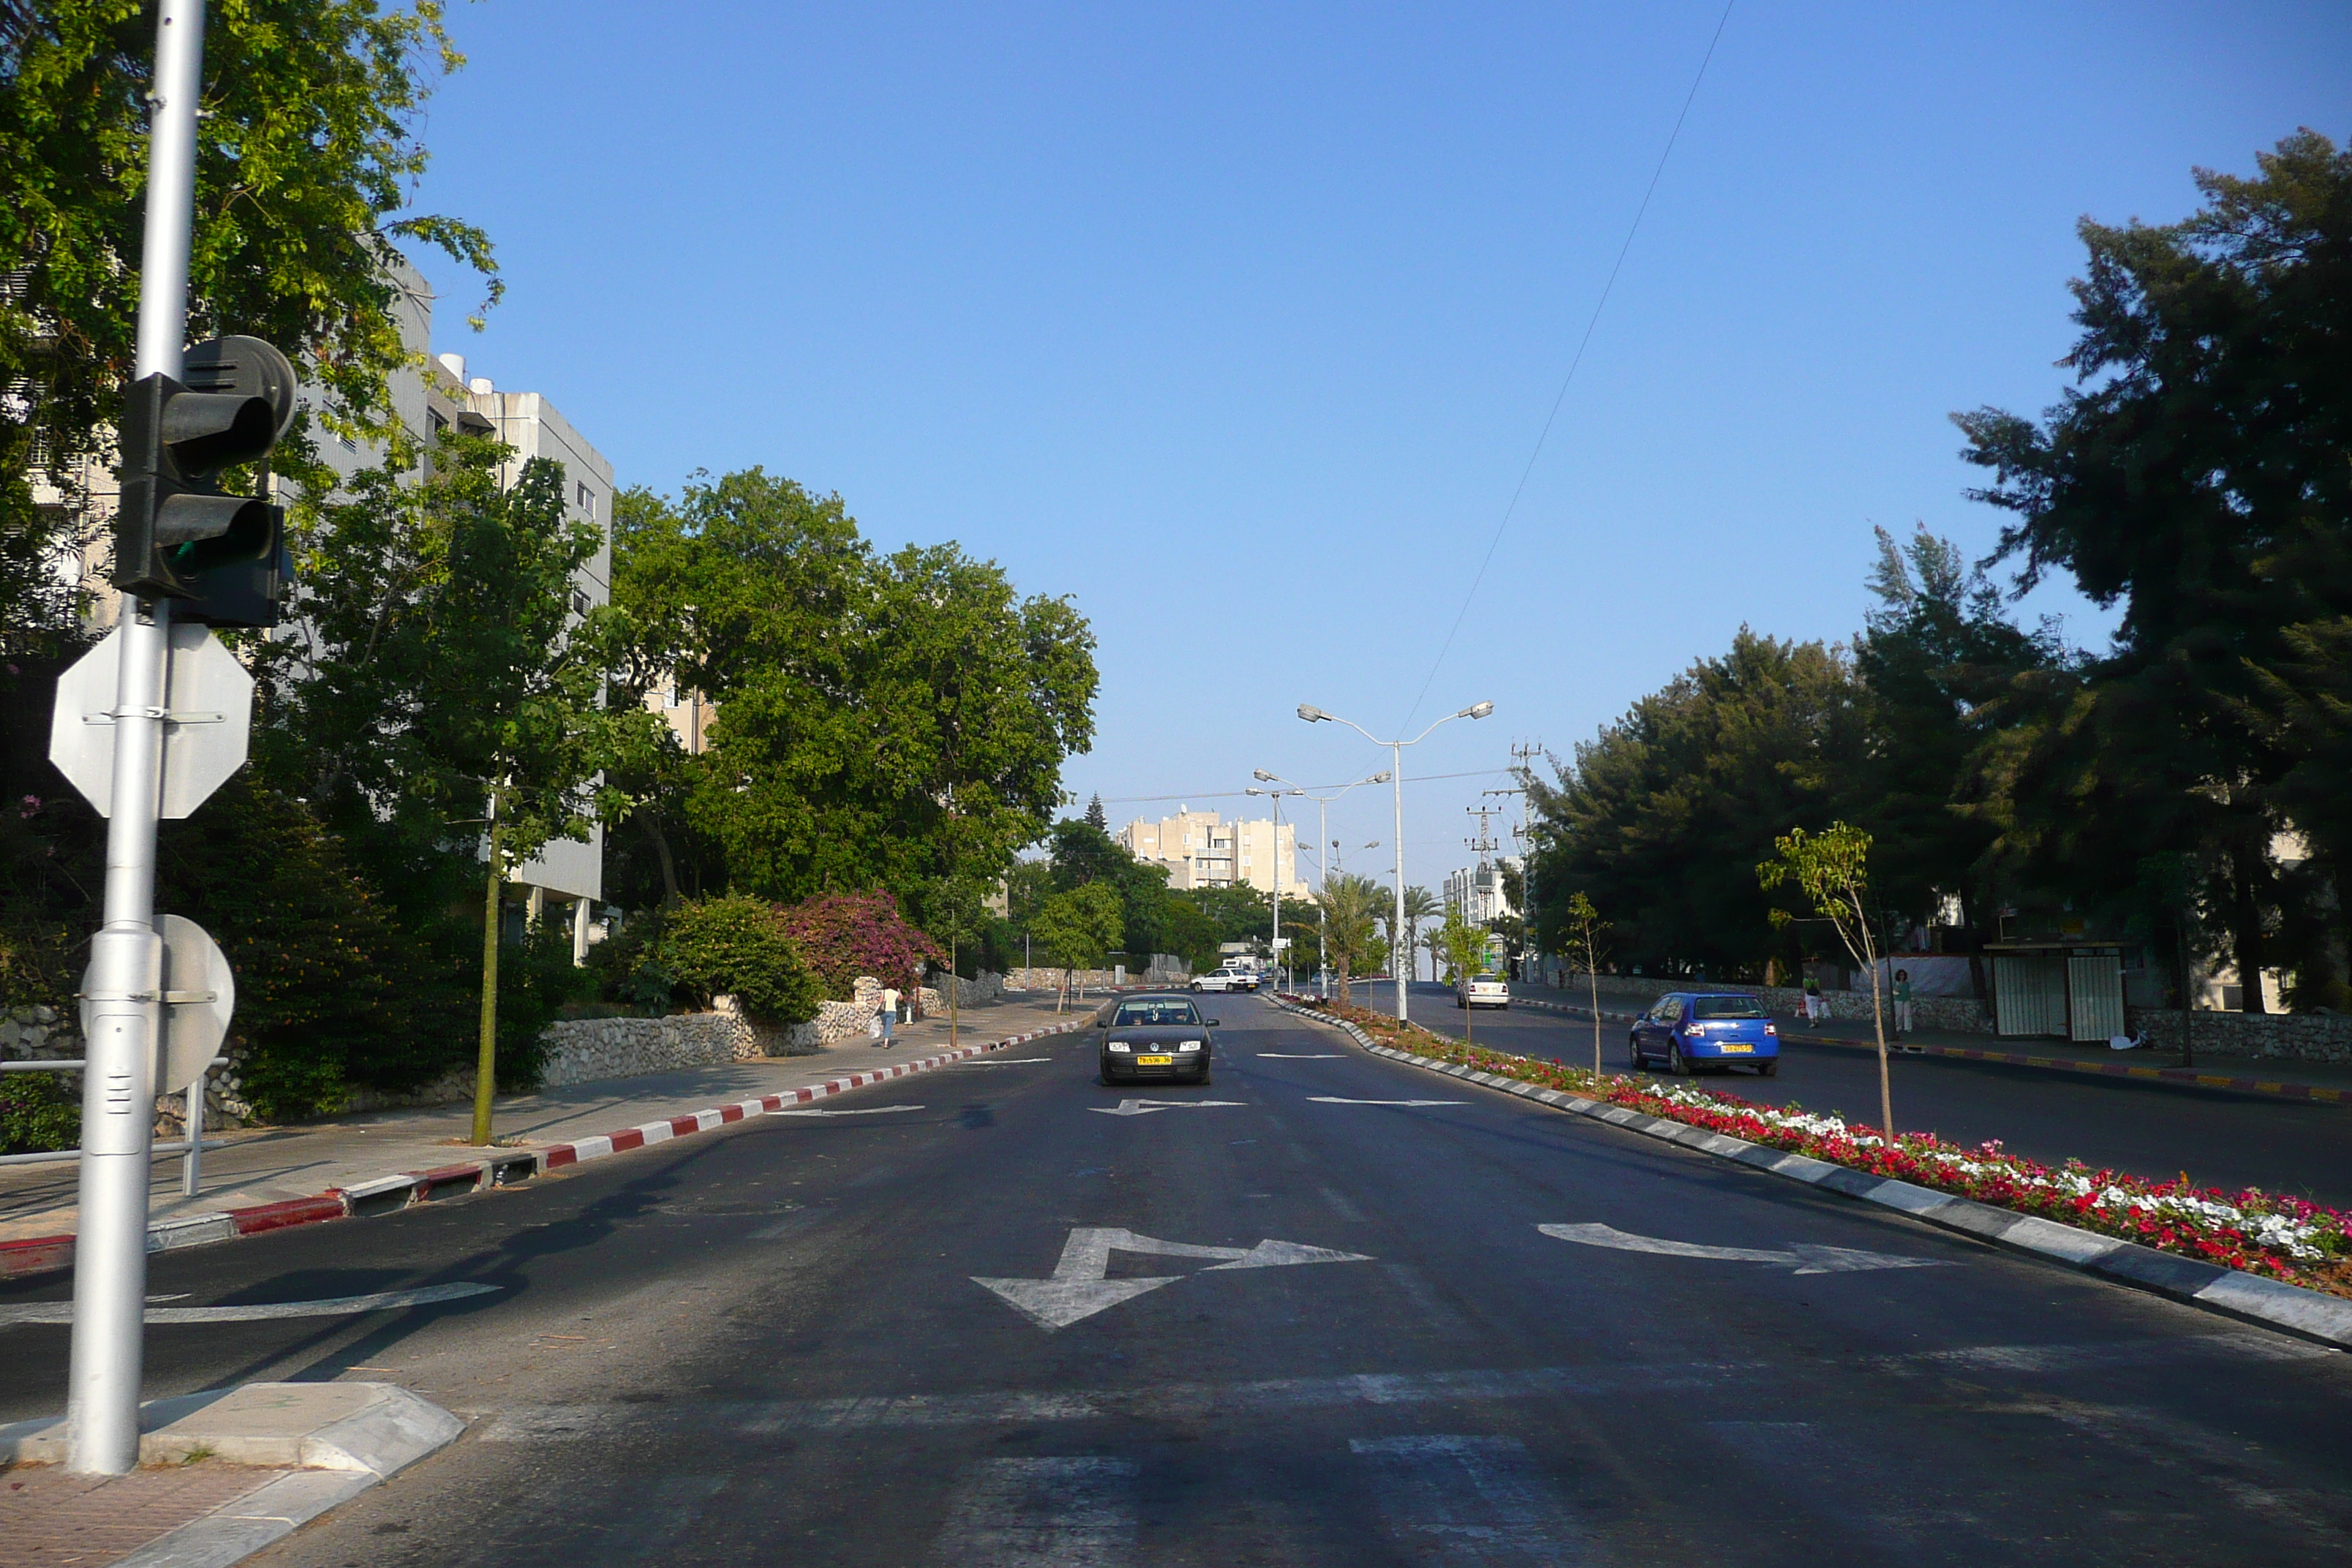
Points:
[[1239, 323]]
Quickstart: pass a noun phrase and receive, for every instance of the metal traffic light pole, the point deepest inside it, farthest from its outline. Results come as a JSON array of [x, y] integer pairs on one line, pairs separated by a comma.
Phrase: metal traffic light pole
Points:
[[125, 989]]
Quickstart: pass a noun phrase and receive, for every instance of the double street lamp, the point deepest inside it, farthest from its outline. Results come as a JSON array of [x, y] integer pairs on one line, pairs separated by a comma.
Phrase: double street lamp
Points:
[[1276, 796], [1322, 840], [1315, 715]]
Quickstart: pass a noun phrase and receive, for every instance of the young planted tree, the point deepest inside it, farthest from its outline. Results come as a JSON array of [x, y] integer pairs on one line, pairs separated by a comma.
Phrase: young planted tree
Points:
[[1463, 943], [1581, 937], [1078, 929], [1830, 869]]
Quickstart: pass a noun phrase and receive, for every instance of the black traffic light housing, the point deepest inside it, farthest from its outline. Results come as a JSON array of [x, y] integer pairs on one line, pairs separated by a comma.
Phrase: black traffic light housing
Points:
[[175, 534]]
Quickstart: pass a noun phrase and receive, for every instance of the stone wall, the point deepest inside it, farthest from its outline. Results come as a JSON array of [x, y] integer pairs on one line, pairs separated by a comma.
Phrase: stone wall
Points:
[[1163, 970]]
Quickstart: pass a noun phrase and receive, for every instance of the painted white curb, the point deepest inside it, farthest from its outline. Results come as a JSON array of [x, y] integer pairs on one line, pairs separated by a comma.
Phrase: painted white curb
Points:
[[2312, 1314]]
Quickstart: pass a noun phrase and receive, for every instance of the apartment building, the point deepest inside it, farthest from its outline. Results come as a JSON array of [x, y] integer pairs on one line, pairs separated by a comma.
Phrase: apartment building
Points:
[[1200, 850], [568, 878], [1477, 891]]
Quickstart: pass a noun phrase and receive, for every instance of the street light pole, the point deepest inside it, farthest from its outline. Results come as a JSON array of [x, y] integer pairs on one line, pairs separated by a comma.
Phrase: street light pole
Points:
[[1322, 851], [1276, 794], [126, 962], [1315, 715]]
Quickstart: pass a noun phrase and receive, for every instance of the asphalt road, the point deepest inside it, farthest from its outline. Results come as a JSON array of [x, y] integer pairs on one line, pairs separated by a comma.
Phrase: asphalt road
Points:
[[768, 1344], [2221, 1138]]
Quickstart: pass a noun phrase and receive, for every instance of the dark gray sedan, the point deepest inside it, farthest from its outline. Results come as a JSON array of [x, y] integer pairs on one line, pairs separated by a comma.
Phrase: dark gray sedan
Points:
[[1155, 1037]]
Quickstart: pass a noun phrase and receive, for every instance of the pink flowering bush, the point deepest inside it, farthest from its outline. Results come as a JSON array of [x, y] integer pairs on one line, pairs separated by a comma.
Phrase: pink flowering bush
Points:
[[2262, 1232], [845, 935]]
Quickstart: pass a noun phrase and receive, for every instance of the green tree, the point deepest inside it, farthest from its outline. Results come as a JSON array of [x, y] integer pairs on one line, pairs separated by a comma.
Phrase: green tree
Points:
[[1657, 817], [2196, 477], [1831, 870], [738, 947], [1350, 907], [1581, 937], [1461, 944], [441, 679], [307, 152], [1078, 929], [856, 695]]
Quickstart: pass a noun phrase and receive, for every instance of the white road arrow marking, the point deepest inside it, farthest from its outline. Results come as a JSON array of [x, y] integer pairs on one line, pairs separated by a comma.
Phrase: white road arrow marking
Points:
[[1808, 1258], [1078, 1289], [1145, 1107], [1335, 1100], [861, 1110], [334, 1307]]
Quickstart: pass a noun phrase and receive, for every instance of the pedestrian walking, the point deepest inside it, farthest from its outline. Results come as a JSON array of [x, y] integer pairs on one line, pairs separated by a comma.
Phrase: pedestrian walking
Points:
[[1812, 1000], [1902, 1002], [886, 1008]]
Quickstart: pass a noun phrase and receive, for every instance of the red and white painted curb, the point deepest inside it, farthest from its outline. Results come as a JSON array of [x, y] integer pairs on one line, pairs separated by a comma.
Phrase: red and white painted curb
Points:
[[383, 1195]]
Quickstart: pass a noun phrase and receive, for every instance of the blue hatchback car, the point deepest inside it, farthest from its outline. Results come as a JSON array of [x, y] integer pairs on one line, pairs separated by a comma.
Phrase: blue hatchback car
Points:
[[1691, 1031]]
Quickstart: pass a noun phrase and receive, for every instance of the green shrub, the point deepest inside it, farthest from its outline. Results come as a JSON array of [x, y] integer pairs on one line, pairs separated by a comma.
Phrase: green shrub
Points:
[[737, 945], [37, 1116]]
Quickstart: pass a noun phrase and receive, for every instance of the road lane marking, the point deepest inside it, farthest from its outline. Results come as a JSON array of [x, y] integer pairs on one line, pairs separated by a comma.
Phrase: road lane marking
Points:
[[1078, 1289], [1192, 1401], [1807, 1258], [1335, 1100], [1471, 1500], [1004, 1062], [1301, 1055], [860, 1110], [1065, 1512], [332, 1307], [1145, 1107]]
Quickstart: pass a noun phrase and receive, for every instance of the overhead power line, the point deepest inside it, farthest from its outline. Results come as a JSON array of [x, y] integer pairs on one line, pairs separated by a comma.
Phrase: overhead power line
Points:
[[1583, 343]]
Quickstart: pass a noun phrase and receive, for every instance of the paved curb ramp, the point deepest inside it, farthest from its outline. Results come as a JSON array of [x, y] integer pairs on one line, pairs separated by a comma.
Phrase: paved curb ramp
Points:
[[2311, 1314]]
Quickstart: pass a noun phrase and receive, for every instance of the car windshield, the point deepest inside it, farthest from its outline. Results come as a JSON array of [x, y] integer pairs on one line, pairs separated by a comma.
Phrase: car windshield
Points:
[[1728, 1007], [1148, 1015], [1486, 980]]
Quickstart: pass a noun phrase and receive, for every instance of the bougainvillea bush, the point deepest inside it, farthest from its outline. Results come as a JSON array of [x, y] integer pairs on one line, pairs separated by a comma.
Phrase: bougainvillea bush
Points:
[[846, 935], [2262, 1232]]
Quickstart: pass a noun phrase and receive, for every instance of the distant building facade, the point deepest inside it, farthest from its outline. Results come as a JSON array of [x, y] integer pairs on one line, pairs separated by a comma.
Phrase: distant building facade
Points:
[[1200, 850], [1478, 892]]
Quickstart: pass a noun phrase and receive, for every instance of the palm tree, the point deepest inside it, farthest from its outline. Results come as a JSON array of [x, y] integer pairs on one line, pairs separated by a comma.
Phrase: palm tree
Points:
[[1419, 906], [1351, 909]]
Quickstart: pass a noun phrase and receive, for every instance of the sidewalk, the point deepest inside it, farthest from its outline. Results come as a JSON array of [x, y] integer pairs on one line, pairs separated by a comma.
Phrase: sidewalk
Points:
[[2326, 1083], [387, 1158]]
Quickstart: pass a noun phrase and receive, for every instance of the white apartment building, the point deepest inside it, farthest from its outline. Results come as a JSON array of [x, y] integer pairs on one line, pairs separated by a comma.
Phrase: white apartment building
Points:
[[1477, 891], [1200, 850], [426, 401]]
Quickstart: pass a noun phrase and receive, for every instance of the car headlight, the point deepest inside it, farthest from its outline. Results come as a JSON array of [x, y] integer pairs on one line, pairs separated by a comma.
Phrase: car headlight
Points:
[[1190, 1045], [1119, 1045]]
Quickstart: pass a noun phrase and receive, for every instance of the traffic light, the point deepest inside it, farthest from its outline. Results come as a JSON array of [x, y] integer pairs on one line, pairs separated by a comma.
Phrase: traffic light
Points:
[[175, 534]]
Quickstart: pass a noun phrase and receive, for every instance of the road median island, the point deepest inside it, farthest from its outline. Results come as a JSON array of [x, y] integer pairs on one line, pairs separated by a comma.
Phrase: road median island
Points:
[[2277, 1260]]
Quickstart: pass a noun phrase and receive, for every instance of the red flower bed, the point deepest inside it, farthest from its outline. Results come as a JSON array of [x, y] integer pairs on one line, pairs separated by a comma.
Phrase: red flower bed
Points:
[[2262, 1232]]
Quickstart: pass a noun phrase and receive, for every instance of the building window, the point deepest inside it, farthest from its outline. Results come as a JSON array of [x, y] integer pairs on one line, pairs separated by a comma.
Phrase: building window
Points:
[[579, 603], [587, 499]]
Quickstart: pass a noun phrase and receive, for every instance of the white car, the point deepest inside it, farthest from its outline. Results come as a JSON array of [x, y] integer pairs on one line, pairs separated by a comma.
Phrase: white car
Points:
[[1215, 980], [1483, 991]]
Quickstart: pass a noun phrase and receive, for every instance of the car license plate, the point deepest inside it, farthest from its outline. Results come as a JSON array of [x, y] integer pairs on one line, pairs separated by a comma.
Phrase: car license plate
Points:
[[1732, 1050], [1155, 1061]]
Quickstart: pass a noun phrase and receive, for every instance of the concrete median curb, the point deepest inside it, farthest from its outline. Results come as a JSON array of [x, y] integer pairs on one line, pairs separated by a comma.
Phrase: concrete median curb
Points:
[[2251, 1298], [502, 1167]]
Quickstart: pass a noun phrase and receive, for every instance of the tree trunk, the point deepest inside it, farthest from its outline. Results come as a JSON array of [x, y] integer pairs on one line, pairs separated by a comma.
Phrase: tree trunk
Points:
[[645, 819], [486, 1065]]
